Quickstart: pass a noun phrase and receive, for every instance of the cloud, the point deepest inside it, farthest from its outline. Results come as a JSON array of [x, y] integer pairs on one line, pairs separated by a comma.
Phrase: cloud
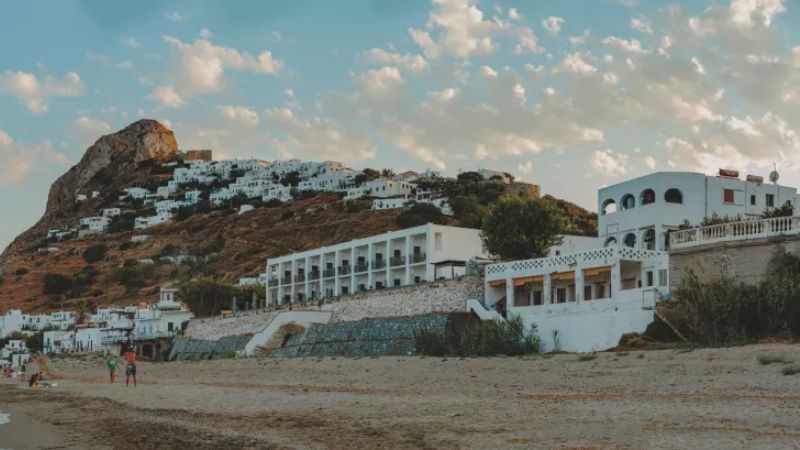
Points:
[[459, 28], [131, 42], [641, 24], [174, 16], [414, 63], [199, 68], [241, 114], [33, 94], [748, 13], [19, 161], [553, 24], [609, 163], [91, 129]]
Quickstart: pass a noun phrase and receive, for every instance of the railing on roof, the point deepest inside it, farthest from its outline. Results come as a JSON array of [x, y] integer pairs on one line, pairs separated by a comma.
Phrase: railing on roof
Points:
[[735, 231]]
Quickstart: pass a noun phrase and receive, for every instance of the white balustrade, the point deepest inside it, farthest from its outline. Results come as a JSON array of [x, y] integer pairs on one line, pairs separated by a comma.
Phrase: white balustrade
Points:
[[735, 231]]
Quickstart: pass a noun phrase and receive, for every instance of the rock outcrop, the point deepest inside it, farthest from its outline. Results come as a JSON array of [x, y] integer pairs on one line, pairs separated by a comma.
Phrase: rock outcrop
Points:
[[112, 155]]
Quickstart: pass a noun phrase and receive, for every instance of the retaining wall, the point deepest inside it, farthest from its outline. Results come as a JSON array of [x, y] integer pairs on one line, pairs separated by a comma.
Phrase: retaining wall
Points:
[[185, 348], [369, 337]]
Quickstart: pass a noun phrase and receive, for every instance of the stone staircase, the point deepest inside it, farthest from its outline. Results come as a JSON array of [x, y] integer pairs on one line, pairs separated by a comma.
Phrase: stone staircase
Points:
[[474, 305]]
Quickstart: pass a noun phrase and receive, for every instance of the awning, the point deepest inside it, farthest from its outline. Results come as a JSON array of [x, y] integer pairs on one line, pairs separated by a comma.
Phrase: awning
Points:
[[525, 280], [496, 283], [596, 271], [562, 276]]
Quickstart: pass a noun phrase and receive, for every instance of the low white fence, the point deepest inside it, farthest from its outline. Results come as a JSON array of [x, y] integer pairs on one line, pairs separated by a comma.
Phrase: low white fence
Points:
[[735, 231]]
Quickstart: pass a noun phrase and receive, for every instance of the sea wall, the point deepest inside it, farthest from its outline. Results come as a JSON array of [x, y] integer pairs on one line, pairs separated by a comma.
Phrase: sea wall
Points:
[[213, 328], [369, 337], [226, 347]]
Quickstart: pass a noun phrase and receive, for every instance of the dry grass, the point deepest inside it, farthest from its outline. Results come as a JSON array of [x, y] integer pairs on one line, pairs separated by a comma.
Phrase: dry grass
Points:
[[772, 358]]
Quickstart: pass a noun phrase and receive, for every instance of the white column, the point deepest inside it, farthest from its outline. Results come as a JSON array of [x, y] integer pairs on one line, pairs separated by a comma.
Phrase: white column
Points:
[[306, 281], [337, 283], [509, 294], [615, 285], [387, 258], [292, 281], [579, 285], [407, 256], [370, 268], [353, 287], [547, 290], [321, 269]]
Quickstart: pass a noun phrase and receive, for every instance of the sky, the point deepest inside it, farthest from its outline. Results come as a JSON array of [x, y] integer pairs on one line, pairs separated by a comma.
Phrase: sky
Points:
[[571, 95]]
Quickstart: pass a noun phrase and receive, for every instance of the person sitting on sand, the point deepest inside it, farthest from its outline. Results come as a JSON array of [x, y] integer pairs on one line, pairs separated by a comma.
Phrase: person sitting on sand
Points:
[[130, 369], [112, 367], [36, 379]]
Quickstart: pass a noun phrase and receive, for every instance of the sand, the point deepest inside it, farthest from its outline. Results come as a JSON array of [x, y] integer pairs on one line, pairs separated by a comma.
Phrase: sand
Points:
[[708, 398]]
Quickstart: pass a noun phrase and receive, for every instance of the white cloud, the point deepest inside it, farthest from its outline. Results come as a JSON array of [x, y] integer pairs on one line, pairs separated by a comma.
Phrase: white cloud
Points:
[[18, 161], [650, 162], [131, 41], [125, 65], [749, 12], [641, 24], [91, 128], [244, 115], [609, 163], [35, 95], [414, 63], [575, 63], [174, 16], [526, 168], [628, 45], [553, 24], [200, 68], [381, 83]]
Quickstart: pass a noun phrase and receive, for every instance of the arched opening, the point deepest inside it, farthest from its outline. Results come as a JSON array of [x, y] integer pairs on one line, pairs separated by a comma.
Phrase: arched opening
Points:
[[647, 196], [630, 240], [628, 202], [673, 196], [649, 239], [610, 242], [609, 207]]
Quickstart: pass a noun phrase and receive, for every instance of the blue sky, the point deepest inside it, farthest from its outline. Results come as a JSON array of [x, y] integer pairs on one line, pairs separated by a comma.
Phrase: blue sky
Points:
[[572, 95]]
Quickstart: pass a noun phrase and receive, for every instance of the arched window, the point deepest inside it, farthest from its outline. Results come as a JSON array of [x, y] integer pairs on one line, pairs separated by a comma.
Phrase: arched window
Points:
[[673, 196], [609, 207], [630, 240], [628, 202], [647, 196], [610, 242], [649, 239]]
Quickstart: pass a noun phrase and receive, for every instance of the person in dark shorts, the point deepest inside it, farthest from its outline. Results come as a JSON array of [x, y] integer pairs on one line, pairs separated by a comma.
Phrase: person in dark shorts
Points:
[[130, 369]]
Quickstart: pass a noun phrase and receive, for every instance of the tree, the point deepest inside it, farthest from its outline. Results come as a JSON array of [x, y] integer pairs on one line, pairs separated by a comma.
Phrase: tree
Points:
[[206, 296], [367, 175], [291, 179], [94, 253], [786, 210], [56, 284], [470, 177], [522, 228], [421, 214], [467, 209]]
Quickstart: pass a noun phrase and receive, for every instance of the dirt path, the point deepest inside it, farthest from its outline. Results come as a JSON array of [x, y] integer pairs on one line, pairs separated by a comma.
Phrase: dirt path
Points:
[[711, 398]]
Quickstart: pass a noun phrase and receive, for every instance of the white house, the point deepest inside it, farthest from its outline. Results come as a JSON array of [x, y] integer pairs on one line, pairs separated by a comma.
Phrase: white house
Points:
[[58, 342], [135, 193], [640, 213], [162, 319], [96, 224], [398, 258], [110, 212], [141, 223]]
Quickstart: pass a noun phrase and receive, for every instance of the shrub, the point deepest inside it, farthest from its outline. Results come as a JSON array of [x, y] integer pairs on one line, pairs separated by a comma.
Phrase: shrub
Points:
[[793, 369], [772, 358], [94, 253], [421, 214], [587, 357], [56, 284], [132, 277], [487, 338], [21, 271]]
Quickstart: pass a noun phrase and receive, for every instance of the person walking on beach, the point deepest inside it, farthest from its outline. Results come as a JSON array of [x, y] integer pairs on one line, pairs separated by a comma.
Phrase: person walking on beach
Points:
[[130, 369], [112, 367]]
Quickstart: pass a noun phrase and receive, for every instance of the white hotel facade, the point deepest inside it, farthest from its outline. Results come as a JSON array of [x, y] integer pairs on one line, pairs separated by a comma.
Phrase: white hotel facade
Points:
[[585, 298], [398, 258]]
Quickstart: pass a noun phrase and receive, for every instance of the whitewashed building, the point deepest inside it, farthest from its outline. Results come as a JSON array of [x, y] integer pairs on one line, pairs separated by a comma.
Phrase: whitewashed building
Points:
[[96, 224], [398, 258], [141, 223]]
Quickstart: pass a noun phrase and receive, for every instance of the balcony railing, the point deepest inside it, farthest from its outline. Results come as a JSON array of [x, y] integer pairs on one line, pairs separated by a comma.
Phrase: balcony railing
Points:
[[378, 264], [417, 258], [328, 273], [735, 231], [397, 261], [361, 267], [344, 270], [299, 278], [273, 281], [314, 275], [286, 280]]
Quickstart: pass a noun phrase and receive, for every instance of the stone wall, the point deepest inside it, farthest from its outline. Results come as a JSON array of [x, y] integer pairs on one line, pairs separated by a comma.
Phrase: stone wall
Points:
[[369, 337], [212, 328], [225, 347], [444, 296], [745, 261]]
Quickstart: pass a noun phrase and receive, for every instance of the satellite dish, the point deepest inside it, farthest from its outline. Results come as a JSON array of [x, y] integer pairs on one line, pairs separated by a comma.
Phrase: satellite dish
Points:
[[773, 177]]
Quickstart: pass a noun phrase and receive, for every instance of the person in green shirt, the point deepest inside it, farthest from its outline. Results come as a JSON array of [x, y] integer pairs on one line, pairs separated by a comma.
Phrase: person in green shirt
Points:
[[112, 366]]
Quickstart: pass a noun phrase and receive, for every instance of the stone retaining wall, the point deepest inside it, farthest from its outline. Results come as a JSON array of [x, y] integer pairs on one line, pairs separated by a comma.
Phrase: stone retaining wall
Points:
[[369, 337], [212, 328], [446, 296], [226, 347]]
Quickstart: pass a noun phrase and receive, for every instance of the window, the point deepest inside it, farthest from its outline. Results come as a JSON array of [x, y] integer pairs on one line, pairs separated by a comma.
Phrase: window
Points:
[[649, 239], [609, 207], [437, 239], [727, 195], [753, 199], [396, 282], [770, 200], [647, 197], [587, 292], [611, 242], [561, 295], [630, 240], [649, 278], [673, 196], [662, 277], [537, 298], [628, 202], [417, 279]]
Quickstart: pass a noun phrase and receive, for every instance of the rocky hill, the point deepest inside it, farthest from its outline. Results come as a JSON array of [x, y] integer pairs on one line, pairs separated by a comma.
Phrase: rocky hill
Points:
[[37, 274]]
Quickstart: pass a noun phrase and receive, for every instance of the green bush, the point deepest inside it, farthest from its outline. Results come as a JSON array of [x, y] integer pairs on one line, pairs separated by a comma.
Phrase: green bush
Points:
[[421, 214], [56, 284], [132, 277], [724, 311], [487, 338], [94, 253], [21, 271]]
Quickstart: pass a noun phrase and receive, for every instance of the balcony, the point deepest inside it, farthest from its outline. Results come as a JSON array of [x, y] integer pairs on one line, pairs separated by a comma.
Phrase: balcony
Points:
[[361, 267], [344, 270], [378, 264], [397, 261], [417, 258], [273, 281], [286, 280], [735, 231], [299, 278], [314, 275], [328, 273]]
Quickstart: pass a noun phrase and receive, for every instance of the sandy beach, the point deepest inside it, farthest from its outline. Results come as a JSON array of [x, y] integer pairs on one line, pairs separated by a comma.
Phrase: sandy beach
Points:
[[706, 398]]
